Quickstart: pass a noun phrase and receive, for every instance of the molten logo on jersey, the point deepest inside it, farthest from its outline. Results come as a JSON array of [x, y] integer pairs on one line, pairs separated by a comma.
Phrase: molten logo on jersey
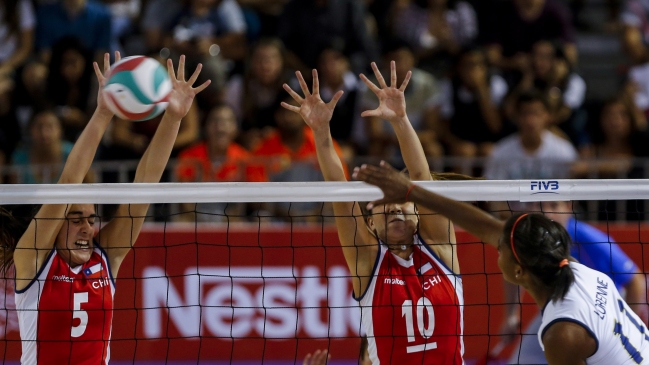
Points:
[[394, 281], [93, 271]]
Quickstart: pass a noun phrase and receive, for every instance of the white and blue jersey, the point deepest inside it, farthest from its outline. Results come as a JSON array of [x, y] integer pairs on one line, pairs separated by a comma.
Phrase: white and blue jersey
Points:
[[594, 303]]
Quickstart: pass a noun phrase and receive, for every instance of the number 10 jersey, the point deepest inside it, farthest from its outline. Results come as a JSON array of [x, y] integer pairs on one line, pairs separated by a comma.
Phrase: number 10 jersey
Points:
[[65, 314], [412, 310]]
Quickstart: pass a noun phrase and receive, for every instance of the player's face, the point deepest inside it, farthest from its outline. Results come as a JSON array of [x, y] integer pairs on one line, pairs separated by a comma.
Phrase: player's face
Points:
[[506, 261], [74, 242], [394, 223]]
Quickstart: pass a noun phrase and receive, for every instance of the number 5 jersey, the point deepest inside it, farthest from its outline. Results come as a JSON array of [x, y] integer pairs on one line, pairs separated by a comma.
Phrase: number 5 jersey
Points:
[[412, 310], [65, 314]]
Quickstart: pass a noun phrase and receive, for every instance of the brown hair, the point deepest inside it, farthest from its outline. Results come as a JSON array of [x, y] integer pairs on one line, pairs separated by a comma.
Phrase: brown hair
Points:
[[11, 229]]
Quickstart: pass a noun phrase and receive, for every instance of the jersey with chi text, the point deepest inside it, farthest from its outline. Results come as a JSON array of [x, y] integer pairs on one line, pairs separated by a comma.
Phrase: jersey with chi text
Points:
[[594, 303], [412, 310], [65, 314]]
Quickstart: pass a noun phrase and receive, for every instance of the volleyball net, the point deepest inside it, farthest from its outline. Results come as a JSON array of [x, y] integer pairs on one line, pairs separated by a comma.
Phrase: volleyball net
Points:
[[250, 273]]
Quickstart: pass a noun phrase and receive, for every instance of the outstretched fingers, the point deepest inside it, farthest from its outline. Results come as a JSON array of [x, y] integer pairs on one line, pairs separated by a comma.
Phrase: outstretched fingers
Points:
[[170, 70], [405, 82], [375, 89], [202, 87], [290, 107], [316, 82], [293, 94], [100, 77], [194, 77], [378, 75], [303, 85], [393, 74], [336, 97], [181, 68]]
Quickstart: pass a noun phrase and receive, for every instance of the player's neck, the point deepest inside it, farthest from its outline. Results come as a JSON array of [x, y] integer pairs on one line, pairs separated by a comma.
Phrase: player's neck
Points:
[[541, 295]]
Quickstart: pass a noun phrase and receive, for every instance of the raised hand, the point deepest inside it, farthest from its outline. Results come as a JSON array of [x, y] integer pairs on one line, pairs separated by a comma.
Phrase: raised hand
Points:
[[320, 357], [313, 110], [182, 93], [102, 107], [392, 102], [395, 185]]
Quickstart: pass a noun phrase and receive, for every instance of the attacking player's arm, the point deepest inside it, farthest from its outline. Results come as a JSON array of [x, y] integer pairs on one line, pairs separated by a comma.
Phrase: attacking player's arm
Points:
[[359, 246], [396, 187], [121, 233], [37, 241], [568, 343], [392, 107]]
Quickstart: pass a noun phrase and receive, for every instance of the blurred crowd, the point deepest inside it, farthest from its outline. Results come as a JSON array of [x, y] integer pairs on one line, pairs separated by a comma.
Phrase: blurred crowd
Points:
[[492, 79]]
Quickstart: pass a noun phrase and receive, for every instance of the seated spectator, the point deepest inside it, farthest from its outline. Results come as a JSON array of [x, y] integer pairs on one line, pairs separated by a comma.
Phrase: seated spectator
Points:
[[635, 26], [420, 97], [69, 83], [620, 136], [468, 109], [437, 31], [289, 154], [346, 123], [89, 21], [550, 74], [30, 93], [216, 158], [209, 31], [17, 23], [521, 23], [254, 96], [308, 26], [40, 159], [533, 152]]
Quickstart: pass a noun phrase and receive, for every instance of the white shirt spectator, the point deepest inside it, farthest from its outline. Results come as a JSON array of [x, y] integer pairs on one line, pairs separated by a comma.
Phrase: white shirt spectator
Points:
[[640, 76], [27, 21], [510, 161], [575, 93]]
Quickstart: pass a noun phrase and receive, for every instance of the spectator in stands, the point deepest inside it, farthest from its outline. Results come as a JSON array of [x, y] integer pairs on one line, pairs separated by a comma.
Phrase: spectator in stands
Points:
[[635, 27], [207, 32], [17, 23], [89, 21], [289, 154], [42, 157], [620, 136], [467, 112], [420, 98], [216, 158], [550, 74], [638, 76], [124, 15], [521, 23], [30, 93], [335, 74], [590, 247], [308, 26], [436, 32], [533, 152], [255, 95], [268, 12], [158, 16], [69, 83]]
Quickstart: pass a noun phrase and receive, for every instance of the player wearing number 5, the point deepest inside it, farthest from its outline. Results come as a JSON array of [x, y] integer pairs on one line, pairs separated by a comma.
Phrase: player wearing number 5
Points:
[[403, 262], [584, 318], [64, 276]]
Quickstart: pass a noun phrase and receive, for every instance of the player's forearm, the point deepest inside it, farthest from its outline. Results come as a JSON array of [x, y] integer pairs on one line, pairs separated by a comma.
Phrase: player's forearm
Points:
[[477, 222], [84, 150], [330, 164], [154, 161], [411, 150]]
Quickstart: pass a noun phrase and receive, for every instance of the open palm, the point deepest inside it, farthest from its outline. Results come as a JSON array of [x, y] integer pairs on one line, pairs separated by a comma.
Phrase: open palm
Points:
[[315, 112], [182, 93], [392, 102], [102, 106]]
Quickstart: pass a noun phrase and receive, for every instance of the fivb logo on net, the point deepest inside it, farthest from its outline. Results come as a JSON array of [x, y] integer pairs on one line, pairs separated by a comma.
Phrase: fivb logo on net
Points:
[[244, 301], [544, 187]]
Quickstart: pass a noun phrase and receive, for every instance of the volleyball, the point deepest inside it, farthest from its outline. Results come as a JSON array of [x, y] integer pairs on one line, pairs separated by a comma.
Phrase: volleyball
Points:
[[137, 88]]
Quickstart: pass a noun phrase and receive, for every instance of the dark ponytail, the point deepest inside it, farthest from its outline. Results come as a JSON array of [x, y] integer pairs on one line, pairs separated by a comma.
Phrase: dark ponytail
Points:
[[11, 229], [542, 245]]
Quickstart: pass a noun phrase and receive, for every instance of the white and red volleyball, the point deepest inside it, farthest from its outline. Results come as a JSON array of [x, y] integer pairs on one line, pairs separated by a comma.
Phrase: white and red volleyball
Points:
[[137, 88]]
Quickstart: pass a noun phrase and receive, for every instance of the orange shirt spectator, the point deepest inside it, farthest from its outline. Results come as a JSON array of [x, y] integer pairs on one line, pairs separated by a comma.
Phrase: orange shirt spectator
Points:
[[283, 155], [195, 164]]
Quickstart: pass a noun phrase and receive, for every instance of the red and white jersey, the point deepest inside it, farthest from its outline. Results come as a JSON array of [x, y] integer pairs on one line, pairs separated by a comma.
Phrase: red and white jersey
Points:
[[65, 314], [412, 310]]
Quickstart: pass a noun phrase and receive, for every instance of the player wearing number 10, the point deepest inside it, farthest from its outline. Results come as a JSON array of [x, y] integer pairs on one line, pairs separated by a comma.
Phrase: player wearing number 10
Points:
[[584, 318], [404, 268], [64, 275]]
